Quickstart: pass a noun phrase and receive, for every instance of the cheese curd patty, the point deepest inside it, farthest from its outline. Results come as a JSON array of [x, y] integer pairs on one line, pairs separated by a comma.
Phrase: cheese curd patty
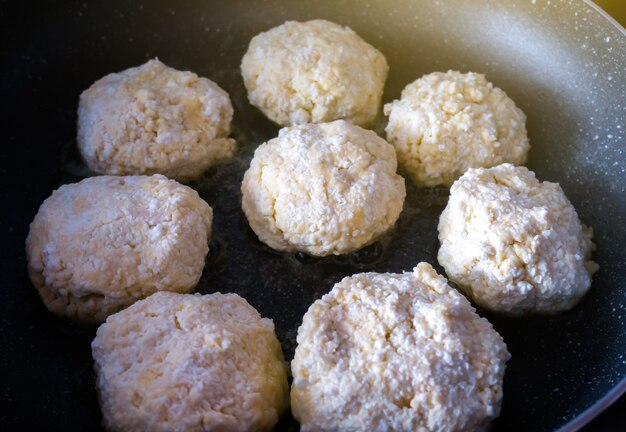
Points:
[[324, 189], [98, 245], [445, 123], [189, 363], [154, 119], [314, 72], [397, 352], [515, 244]]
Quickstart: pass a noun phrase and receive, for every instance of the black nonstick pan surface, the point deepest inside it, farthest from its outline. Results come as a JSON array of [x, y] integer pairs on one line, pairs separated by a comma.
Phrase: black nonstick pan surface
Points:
[[563, 62]]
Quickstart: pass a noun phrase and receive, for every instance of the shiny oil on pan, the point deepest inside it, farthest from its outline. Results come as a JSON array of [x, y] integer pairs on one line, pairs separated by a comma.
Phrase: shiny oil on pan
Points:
[[563, 62]]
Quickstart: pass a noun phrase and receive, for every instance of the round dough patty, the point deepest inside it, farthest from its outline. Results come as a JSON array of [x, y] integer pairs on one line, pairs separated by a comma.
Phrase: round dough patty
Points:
[[515, 244], [400, 352], [98, 245], [154, 119], [324, 189], [445, 123], [182, 362], [314, 72]]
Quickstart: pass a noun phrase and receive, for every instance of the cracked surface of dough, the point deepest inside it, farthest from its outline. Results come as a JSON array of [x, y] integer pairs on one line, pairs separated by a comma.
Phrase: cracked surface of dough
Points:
[[396, 352], [154, 119], [445, 123], [314, 72], [324, 189], [97, 246], [515, 244], [190, 363]]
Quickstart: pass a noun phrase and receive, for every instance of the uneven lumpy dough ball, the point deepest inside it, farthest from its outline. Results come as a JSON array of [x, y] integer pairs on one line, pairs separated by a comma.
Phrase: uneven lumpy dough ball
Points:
[[396, 352], [314, 72], [154, 119], [190, 363], [98, 245], [324, 189], [515, 244], [445, 123]]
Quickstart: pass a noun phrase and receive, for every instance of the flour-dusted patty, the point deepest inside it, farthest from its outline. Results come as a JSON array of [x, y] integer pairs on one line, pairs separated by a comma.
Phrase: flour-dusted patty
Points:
[[324, 189], [445, 123], [314, 72], [515, 244], [397, 352], [98, 245], [154, 119], [189, 363]]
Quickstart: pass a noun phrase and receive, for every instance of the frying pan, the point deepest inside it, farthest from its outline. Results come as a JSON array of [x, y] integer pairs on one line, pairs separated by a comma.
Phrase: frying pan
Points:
[[562, 62]]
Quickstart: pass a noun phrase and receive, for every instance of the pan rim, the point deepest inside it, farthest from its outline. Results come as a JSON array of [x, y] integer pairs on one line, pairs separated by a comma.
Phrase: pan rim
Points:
[[606, 16], [596, 409]]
